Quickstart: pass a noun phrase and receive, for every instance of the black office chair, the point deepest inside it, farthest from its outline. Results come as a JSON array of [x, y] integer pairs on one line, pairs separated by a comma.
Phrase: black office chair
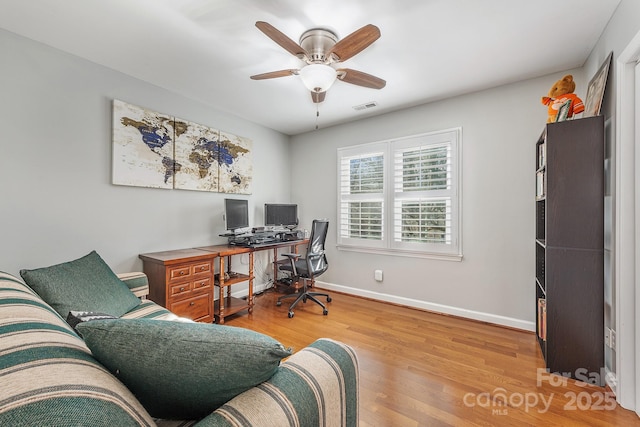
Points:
[[308, 268]]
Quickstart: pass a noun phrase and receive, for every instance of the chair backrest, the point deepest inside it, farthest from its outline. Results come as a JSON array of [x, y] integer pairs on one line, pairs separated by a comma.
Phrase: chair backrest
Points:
[[316, 257]]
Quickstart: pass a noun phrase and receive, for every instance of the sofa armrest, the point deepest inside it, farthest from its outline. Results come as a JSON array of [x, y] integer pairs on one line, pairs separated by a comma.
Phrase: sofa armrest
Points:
[[137, 283], [316, 386]]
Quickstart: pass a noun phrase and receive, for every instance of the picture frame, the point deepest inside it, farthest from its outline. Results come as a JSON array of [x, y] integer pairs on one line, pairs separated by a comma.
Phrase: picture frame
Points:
[[595, 91], [563, 111]]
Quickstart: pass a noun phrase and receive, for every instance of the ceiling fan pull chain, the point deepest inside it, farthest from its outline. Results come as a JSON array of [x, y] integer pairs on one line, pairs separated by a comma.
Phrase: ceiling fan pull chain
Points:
[[317, 114]]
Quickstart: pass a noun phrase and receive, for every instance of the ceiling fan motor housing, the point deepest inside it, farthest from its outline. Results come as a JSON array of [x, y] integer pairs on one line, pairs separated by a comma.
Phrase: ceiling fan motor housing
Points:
[[317, 42]]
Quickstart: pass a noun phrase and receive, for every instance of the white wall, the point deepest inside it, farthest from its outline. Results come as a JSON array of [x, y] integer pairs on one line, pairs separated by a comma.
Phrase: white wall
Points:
[[57, 202], [495, 280]]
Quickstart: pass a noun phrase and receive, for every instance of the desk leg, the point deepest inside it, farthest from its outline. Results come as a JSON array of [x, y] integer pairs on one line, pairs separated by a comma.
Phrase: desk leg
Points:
[[221, 292], [250, 282], [275, 266]]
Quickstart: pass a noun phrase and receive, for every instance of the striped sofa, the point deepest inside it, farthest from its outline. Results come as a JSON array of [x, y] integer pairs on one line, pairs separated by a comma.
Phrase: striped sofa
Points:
[[48, 376]]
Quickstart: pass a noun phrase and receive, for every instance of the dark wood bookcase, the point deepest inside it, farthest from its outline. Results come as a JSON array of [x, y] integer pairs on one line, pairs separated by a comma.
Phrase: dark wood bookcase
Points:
[[570, 247]]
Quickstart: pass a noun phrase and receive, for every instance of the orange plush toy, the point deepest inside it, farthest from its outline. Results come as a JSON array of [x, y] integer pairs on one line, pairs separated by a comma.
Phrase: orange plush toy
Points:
[[562, 102]]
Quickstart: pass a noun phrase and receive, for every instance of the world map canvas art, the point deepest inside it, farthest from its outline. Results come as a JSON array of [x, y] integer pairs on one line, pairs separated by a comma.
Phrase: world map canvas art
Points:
[[196, 157], [142, 147], [152, 149], [235, 164]]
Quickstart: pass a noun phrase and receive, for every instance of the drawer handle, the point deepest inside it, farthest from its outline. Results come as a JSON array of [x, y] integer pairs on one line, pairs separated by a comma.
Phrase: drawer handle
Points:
[[182, 289], [182, 273], [202, 283], [192, 303], [202, 268]]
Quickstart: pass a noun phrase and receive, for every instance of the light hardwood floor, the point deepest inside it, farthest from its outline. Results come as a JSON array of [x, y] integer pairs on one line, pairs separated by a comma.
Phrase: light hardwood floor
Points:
[[424, 369]]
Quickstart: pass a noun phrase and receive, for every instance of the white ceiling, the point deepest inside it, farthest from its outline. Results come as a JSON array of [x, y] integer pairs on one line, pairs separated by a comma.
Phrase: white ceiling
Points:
[[207, 49]]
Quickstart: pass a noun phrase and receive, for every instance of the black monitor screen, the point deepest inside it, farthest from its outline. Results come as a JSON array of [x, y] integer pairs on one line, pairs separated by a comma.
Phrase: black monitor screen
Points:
[[236, 213], [281, 214]]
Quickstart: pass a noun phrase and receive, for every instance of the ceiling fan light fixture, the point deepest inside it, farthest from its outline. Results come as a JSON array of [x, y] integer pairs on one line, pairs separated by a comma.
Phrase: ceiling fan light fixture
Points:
[[318, 77]]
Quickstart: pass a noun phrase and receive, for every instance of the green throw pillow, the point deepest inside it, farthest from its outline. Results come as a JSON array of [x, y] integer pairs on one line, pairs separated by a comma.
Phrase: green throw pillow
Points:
[[85, 284], [180, 370]]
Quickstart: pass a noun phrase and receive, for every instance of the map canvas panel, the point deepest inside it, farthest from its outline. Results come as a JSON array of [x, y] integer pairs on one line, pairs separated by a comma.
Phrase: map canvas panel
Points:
[[196, 157], [142, 147], [236, 164]]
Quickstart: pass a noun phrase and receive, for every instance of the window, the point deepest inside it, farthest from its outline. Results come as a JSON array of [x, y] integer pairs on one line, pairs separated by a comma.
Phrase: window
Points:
[[401, 196]]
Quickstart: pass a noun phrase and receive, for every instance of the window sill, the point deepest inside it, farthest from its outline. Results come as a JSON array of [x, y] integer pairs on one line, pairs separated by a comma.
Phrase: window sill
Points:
[[402, 253]]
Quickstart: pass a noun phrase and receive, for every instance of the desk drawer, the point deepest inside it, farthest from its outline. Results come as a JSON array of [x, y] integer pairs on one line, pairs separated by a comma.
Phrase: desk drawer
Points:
[[201, 267], [179, 290], [182, 289], [187, 271], [202, 283], [179, 272], [196, 308]]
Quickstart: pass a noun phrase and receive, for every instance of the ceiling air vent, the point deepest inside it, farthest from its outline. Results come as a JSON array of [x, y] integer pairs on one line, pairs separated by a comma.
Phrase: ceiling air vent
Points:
[[365, 106]]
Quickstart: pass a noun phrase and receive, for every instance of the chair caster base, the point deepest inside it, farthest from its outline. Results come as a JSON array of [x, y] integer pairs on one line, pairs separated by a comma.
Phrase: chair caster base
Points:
[[290, 314], [325, 311]]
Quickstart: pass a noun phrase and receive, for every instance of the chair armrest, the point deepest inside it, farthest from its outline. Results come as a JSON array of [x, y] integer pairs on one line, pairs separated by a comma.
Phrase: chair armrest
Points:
[[316, 386], [137, 283], [292, 259]]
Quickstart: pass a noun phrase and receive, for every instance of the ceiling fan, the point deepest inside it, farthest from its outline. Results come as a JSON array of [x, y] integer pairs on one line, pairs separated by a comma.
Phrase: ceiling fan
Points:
[[320, 49]]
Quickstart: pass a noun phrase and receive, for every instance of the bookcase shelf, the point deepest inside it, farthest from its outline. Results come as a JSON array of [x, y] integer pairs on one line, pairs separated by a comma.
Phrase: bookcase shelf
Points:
[[569, 246]]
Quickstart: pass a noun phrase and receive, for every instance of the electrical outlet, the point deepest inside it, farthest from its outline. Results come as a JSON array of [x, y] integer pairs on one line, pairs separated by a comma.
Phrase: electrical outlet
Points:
[[607, 336]]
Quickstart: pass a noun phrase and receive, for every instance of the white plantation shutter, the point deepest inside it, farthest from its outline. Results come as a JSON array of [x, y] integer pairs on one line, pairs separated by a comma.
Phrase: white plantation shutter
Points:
[[425, 193], [412, 209], [361, 206]]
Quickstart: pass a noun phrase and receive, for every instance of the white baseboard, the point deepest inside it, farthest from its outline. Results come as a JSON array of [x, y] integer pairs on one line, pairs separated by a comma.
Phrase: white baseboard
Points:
[[434, 307]]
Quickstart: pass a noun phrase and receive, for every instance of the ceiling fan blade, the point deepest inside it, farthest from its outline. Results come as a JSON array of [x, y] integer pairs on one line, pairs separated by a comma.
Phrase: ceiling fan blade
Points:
[[277, 36], [274, 74], [355, 42], [318, 97], [359, 78]]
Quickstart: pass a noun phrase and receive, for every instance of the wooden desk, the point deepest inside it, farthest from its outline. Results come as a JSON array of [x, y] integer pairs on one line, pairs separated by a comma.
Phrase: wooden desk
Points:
[[183, 280], [226, 305]]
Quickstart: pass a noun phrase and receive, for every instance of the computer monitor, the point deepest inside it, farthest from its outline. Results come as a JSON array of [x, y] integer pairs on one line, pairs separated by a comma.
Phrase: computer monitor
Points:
[[236, 214], [281, 215]]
